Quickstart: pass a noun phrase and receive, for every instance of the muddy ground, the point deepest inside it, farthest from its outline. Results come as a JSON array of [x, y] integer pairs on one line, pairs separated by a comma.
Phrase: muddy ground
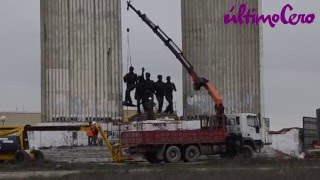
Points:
[[258, 169], [94, 163]]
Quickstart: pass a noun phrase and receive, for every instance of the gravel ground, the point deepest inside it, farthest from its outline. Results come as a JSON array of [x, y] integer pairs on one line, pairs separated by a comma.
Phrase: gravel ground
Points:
[[94, 162]]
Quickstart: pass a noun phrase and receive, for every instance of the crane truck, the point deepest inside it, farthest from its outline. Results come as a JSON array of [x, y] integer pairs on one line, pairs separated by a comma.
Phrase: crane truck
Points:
[[226, 135]]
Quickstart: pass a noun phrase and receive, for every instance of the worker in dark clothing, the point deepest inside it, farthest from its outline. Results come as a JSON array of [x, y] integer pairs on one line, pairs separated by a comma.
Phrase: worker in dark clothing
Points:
[[148, 93], [169, 87], [131, 80], [140, 91], [159, 88]]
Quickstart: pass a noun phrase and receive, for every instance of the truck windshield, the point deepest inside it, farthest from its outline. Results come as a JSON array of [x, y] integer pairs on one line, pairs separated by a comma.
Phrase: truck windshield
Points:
[[253, 121]]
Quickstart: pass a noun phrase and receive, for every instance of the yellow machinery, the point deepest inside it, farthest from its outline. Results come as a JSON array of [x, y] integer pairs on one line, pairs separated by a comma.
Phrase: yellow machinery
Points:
[[14, 144]]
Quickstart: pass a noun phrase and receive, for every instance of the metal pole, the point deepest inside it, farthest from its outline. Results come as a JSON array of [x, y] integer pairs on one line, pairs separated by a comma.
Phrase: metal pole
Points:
[[318, 123]]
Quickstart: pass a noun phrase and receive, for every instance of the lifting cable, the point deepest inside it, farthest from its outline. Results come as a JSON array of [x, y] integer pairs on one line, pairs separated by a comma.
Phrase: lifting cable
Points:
[[129, 58], [129, 61]]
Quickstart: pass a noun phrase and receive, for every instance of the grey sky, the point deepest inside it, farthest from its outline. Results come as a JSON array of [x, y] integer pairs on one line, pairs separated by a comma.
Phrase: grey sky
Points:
[[291, 63], [20, 55]]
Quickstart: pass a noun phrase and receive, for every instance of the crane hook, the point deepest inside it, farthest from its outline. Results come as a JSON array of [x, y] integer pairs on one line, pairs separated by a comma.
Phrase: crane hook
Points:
[[128, 3]]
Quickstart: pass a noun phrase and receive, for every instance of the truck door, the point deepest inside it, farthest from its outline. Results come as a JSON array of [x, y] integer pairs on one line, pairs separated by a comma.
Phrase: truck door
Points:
[[253, 128], [234, 125]]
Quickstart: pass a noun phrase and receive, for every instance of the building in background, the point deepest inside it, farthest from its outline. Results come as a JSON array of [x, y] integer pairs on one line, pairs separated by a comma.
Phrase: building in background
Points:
[[311, 130], [228, 55], [288, 141], [20, 118], [81, 60]]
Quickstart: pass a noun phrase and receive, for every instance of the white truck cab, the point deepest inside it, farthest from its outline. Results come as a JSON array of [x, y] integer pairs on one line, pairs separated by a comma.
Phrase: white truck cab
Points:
[[246, 127]]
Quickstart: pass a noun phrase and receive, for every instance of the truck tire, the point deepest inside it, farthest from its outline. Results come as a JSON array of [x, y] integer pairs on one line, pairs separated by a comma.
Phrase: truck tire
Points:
[[172, 154], [152, 158], [21, 158], [38, 157], [191, 154], [246, 152]]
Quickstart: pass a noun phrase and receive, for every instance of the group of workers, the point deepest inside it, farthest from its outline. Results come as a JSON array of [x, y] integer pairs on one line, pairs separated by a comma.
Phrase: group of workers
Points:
[[92, 134], [146, 89]]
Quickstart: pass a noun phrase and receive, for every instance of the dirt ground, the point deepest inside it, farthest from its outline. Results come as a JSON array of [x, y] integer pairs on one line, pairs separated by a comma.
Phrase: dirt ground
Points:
[[94, 163], [261, 169], [98, 154]]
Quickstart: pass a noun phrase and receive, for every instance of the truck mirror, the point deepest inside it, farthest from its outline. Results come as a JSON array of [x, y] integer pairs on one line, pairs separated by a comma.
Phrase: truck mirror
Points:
[[257, 129]]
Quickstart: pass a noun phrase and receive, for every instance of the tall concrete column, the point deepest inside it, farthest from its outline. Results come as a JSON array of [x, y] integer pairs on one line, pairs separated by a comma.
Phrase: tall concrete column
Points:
[[81, 60], [228, 55]]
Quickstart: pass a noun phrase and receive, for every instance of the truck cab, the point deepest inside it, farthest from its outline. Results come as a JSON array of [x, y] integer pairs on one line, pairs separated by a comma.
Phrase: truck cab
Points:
[[245, 128]]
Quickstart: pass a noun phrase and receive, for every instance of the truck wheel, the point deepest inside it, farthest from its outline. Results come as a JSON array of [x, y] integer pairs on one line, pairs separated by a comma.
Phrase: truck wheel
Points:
[[191, 154], [173, 154], [152, 158], [246, 152], [21, 158], [38, 157]]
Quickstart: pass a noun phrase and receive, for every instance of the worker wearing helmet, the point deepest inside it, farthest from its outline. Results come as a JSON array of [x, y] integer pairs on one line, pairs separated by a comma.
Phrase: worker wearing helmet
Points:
[[131, 80], [95, 133], [90, 134]]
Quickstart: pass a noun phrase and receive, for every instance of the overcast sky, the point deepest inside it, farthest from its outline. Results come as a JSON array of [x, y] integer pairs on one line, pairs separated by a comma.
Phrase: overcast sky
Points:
[[291, 56]]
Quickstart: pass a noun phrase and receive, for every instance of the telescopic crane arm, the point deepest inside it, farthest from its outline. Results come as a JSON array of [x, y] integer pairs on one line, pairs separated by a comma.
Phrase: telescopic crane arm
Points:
[[198, 81]]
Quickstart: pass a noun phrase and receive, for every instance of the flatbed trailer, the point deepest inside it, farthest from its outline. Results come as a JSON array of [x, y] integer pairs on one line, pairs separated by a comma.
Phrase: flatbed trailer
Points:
[[236, 139], [174, 145]]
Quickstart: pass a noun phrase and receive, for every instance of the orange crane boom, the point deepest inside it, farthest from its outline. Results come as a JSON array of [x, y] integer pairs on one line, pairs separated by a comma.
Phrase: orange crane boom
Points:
[[198, 81]]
